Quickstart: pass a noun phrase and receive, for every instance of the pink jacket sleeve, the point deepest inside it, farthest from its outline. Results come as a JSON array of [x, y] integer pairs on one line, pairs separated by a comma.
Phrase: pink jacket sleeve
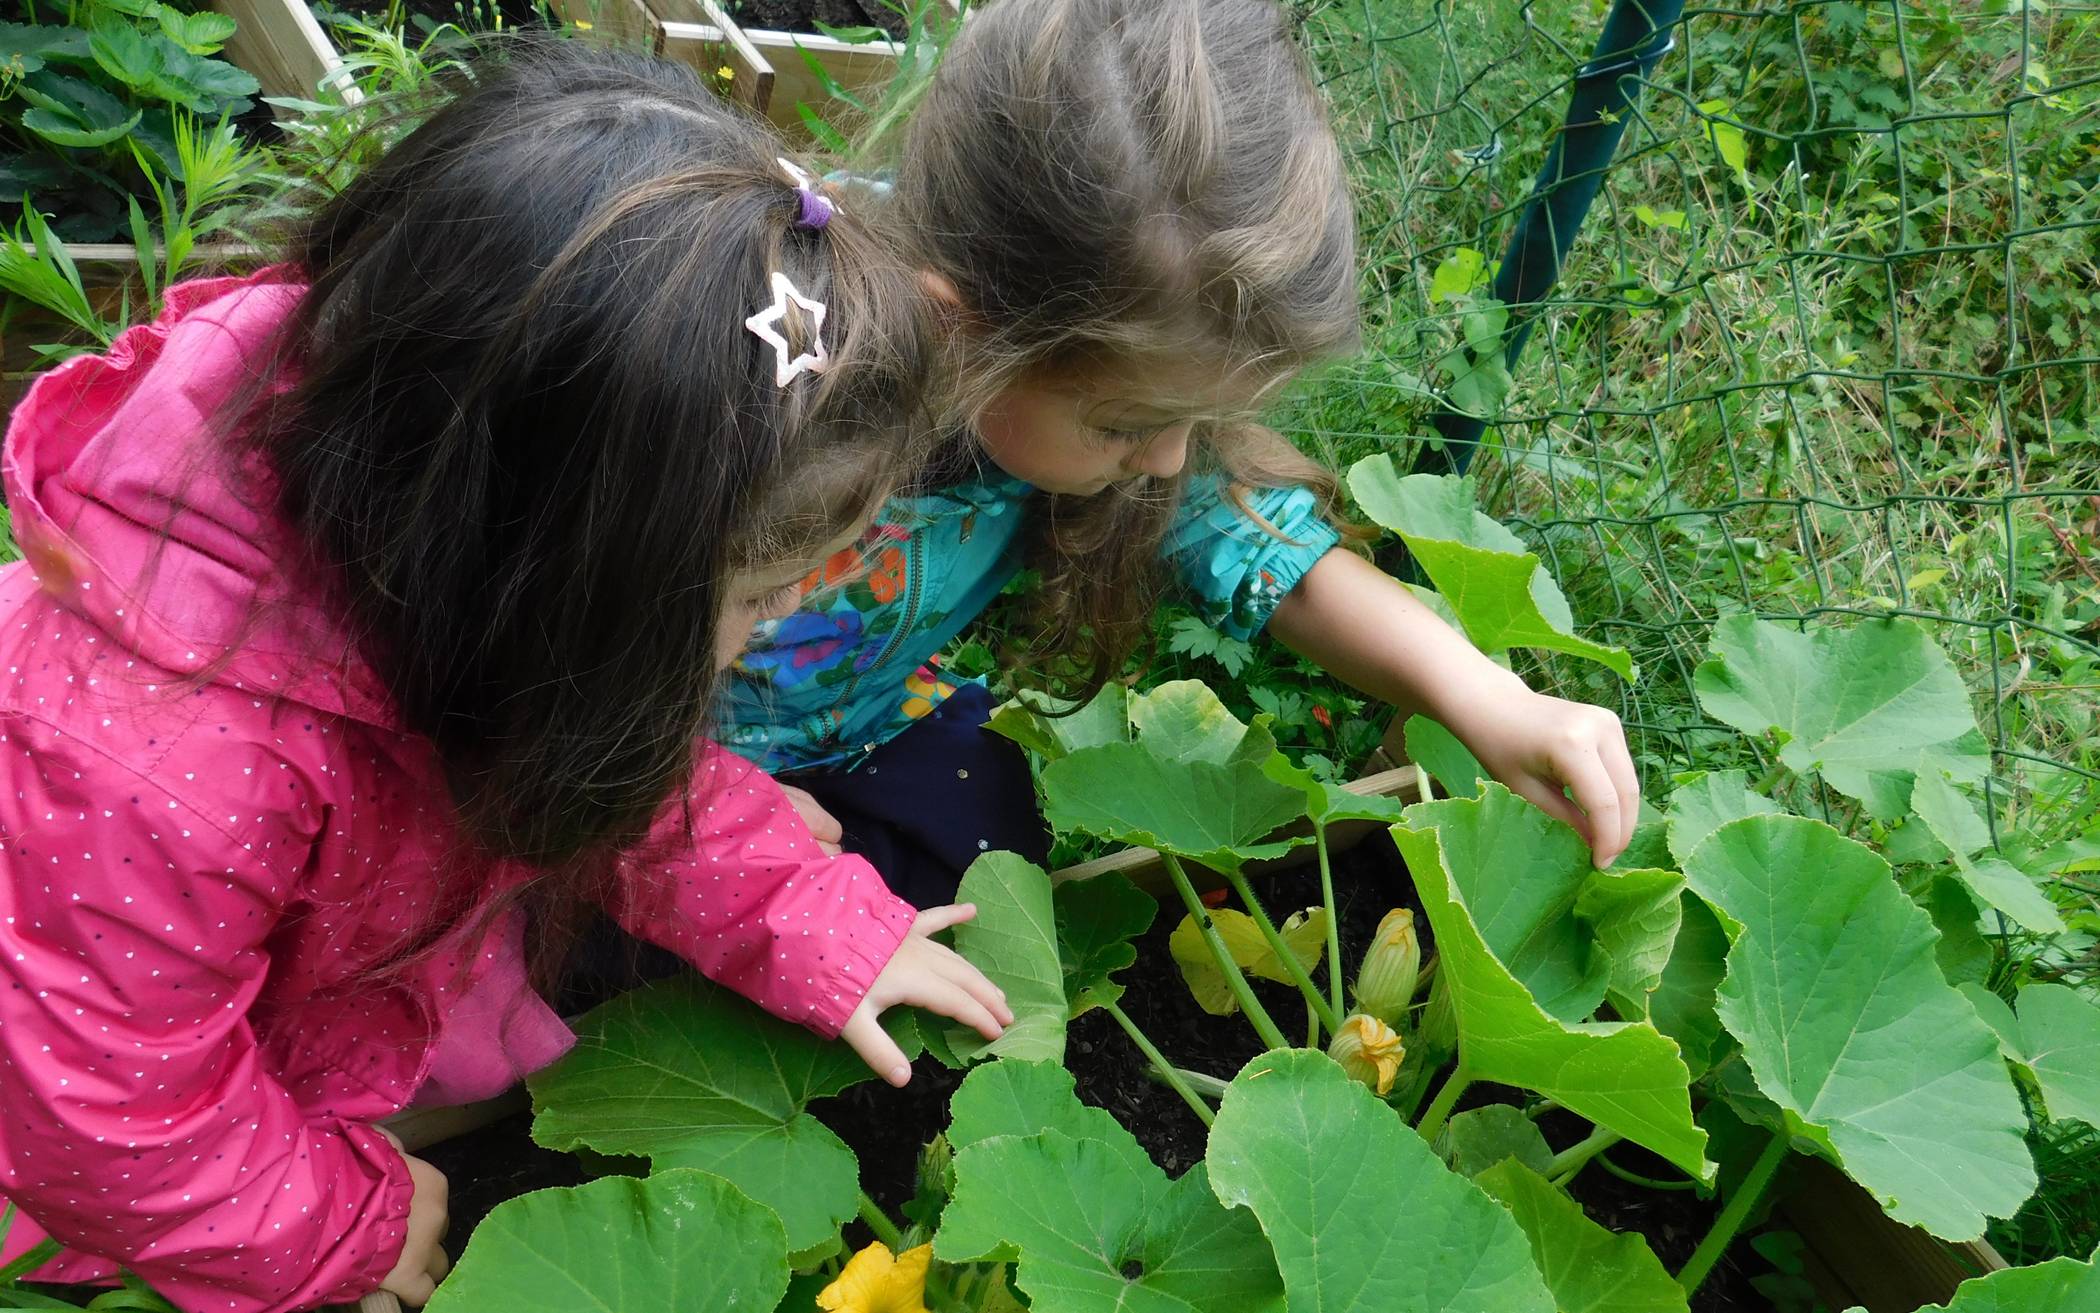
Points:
[[137, 1122], [738, 888]]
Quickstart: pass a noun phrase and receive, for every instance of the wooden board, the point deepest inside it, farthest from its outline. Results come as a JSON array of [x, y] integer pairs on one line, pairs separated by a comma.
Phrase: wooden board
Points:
[[629, 24], [284, 46], [1143, 867], [1858, 1255], [710, 42]]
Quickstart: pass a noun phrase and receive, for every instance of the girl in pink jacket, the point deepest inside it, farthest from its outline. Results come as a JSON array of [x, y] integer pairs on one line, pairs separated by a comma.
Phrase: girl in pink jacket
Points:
[[370, 614]]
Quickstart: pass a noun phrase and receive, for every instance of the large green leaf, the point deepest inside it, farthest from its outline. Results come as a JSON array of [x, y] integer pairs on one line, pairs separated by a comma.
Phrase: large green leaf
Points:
[[2056, 1037], [1477, 1139], [1588, 1269], [1013, 940], [1521, 874], [1859, 705], [2061, 1285], [1623, 1075], [1096, 921], [1848, 1026], [2062, 1028], [689, 1075], [1098, 1228], [1438, 751], [1057, 729], [1954, 820], [1361, 1214], [1215, 814], [1682, 1005], [676, 1240], [1503, 596], [1633, 916], [1014, 1098], [1185, 721], [1704, 802]]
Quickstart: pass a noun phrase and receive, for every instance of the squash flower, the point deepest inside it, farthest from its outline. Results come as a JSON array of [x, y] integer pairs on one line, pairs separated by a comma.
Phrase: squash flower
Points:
[[1385, 983], [1369, 1050], [877, 1281]]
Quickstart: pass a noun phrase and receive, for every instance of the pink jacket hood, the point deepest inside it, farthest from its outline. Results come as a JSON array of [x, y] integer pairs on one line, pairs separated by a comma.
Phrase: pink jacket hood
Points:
[[213, 834], [111, 480]]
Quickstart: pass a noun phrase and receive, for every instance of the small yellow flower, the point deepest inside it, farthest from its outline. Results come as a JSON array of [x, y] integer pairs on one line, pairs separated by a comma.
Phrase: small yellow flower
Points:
[[1385, 983], [1369, 1050], [583, 25], [877, 1281], [726, 73]]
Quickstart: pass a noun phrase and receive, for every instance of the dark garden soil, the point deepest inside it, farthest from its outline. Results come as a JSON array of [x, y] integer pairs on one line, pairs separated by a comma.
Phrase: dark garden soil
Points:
[[887, 1127], [804, 15]]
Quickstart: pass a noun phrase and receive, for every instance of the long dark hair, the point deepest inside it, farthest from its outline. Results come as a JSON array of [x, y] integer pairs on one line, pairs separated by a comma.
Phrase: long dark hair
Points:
[[1113, 182], [532, 442]]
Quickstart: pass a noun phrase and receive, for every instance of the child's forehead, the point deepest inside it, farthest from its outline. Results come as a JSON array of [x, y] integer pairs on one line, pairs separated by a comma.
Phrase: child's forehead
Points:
[[1177, 387]]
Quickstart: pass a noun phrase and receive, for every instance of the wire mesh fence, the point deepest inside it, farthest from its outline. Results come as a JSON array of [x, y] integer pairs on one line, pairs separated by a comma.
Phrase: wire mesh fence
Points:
[[1825, 346]]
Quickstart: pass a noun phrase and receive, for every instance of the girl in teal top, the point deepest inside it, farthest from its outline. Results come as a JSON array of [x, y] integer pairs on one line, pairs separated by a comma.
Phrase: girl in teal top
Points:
[[1137, 217]]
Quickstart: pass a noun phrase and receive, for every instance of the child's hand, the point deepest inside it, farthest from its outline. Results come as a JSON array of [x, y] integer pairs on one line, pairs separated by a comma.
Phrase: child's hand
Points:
[[1538, 745], [823, 826], [928, 975], [423, 1260]]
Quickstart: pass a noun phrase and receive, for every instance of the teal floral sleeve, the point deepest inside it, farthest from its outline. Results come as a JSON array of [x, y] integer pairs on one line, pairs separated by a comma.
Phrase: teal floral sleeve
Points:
[[1237, 569]]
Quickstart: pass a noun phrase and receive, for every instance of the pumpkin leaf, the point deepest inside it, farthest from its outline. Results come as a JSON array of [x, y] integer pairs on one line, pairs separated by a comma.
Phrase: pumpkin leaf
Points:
[[1848, 1026], [1501, 593]]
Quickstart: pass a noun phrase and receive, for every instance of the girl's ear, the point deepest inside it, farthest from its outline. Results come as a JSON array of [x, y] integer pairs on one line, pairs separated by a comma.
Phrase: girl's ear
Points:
[[957, 319], [942, 289]]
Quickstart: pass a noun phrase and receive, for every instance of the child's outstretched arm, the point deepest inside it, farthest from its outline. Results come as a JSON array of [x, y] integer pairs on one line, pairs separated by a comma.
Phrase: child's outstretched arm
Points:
[[1359, 623], [741, 888]]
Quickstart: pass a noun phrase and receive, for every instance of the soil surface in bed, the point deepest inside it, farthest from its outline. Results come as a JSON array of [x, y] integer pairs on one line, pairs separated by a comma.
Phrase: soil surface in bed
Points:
[[804, 15]]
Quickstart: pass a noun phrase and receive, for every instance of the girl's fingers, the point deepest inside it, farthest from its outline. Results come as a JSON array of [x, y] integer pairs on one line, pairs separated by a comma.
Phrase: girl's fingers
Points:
[[936, 919], [864, 1035], [440, 1263], [1598, 797], [823, 826], [1547, 795], [958, 971], [936, 993], [1618, 763]]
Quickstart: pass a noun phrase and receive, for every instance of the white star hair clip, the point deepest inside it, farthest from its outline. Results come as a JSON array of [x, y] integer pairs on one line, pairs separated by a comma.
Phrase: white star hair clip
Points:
[[812, 361]]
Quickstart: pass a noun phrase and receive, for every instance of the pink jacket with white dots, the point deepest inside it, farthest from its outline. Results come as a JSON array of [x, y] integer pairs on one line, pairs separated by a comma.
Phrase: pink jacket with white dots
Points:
[[195, 880]]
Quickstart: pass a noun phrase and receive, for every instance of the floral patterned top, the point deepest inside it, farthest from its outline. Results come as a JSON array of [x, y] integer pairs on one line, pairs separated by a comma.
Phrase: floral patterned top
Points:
[[851, 669]]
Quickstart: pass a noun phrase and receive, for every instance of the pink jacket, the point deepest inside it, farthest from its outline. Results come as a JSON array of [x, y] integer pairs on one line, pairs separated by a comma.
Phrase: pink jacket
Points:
[[194, 879]]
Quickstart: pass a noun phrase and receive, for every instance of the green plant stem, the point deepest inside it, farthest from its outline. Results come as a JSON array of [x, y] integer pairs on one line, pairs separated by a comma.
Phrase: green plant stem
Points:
[[1257, 1015], [1446, 1098], [1572, 1159], [1540, 1108], [1635, 1178], [1168, 1072], [1314, 999], [1210, 1087], [1732, 1216], [1334, 923], [879, 1222], [1312, 1027]]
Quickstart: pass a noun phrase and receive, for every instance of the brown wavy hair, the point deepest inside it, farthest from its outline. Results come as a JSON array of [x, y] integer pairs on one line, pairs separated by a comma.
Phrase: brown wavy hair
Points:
[[532, 447], [1111, 182]]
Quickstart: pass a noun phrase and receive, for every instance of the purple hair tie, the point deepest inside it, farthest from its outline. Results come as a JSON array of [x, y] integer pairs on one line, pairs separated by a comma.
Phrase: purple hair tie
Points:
[[816, 209]]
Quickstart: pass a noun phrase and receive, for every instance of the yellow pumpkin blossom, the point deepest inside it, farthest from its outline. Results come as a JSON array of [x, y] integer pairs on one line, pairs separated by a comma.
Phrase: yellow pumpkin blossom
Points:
[[1385, 984], [1369, 1050], [877, 1281]]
